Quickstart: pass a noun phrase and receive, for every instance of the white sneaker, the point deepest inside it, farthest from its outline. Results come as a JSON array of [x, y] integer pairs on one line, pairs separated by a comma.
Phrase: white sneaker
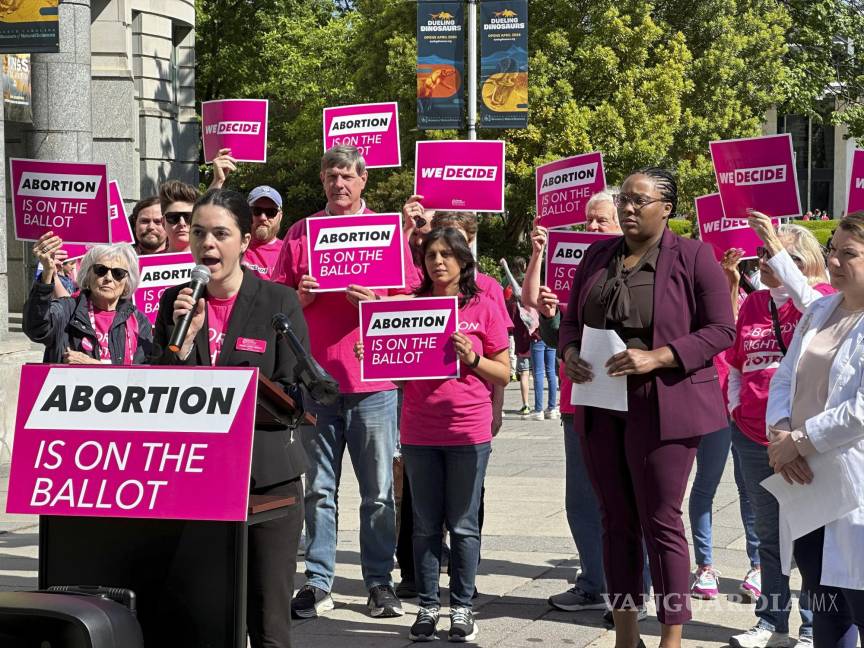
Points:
[[552, 413], [804, 641], [535, 416], [760, 637]]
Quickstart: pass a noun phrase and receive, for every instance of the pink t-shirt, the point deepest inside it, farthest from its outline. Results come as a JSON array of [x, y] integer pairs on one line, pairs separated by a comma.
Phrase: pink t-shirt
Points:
[[103, 320], [218, 316], [457, 411], [261, 258], [333, 322], [756, 355]]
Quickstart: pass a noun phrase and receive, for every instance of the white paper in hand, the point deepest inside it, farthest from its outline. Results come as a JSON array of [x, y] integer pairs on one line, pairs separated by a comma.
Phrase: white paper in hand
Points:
[[598, 345]]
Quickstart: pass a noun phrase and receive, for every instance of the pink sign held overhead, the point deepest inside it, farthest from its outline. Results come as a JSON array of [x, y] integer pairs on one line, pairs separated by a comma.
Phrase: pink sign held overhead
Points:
[[121, 232], [565, 186], [67, 198], [409, 339], [460, 175], [356, 250], [236, 124], [372, 128], [158, 272], [724, 233], [133, 442], [856, 184], [757, 173], [564, 252]]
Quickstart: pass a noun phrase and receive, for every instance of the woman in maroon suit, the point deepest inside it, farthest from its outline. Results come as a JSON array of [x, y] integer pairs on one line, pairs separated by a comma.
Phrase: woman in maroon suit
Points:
[[667, 298]]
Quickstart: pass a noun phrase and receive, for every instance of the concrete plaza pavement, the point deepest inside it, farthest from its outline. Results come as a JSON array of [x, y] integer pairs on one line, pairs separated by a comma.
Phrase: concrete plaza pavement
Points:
[[528, 555]]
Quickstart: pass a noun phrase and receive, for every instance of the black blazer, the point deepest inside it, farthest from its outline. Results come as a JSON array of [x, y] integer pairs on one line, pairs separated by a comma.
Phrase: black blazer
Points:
[[276, 457]]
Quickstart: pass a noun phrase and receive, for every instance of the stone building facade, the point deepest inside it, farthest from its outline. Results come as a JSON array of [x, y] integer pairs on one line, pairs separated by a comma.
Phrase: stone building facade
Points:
[[120, 91]]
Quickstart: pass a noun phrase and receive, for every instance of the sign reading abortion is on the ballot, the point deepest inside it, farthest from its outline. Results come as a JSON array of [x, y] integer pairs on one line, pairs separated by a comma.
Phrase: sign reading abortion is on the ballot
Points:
[[409, 339], [237, 124], [757, 173], [158, 272], [121, 231], [67, 198], [564, 252], [460, 175], [722, 232], [565, 186], [363, 250], [135, 442], [856, 184], [372, 128]]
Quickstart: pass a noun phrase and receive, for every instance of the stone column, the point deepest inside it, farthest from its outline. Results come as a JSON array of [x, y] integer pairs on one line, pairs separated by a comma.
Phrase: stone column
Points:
[[62, 128]]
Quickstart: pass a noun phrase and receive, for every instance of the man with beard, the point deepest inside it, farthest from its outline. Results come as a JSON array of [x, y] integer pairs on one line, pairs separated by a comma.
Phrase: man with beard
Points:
[[264, 250], [149, 227]]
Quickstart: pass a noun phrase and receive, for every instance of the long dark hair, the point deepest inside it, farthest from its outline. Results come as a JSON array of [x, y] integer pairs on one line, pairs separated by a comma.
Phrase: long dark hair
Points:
[[457, 243]]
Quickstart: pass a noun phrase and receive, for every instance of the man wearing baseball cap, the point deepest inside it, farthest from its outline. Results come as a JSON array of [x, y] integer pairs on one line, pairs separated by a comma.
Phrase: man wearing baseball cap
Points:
[[264, 250]]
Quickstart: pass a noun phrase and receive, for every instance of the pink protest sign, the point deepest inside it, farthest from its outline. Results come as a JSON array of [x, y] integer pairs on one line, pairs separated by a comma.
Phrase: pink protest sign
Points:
[[460, 175], [121, 232], [361, 250], [409, 339], [67, 198], [564, 187], [372, 128], [158, 272], [856, 184], [133, 442], [757, 173], [564, 253], [724, 233], [237, 124]]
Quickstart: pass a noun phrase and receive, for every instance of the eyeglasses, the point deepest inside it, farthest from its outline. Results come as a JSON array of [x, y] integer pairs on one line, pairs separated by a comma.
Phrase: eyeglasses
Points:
[[762, 253], [118, 274], [172, 218], [269, 212], [637, 200]]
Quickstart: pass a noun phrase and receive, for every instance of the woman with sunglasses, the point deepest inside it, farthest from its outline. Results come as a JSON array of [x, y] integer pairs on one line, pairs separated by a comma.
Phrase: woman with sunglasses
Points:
[[667, 298], [176, 199], [793, 270], [100, 324]]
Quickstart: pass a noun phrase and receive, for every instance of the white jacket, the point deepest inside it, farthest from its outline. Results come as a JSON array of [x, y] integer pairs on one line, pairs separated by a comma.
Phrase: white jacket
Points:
[[839, 429]]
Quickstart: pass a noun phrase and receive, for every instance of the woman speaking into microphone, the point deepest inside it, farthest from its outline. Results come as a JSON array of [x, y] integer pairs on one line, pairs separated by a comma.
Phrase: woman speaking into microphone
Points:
[[230, 327]]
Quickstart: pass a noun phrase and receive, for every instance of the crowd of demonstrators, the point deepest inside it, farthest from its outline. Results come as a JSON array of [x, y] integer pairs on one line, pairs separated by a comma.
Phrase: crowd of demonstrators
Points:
[[148, 227], [364, 420], [101, 323], [522, 323], [793, 271], [815, 412], [238, 304]]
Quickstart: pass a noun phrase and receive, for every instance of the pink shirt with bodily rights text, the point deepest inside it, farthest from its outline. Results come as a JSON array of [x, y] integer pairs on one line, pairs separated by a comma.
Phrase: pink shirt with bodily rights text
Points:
[[218, 316]]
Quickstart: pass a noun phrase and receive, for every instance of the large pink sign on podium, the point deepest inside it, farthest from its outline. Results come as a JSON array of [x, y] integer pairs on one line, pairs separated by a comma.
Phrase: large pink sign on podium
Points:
[[135, 442]]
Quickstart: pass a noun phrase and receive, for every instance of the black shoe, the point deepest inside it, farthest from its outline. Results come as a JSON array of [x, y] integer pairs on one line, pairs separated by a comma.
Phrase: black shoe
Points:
[[462, 626], [407, 589], [383, 602], [310, 601], [426, 625], [610, 621]]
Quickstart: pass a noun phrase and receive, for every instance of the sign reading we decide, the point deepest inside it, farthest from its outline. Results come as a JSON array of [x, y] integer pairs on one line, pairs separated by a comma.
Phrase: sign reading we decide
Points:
[[136, 442]]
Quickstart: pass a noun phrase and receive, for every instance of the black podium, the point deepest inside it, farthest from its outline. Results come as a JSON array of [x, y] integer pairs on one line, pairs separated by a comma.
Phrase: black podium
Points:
[[189, 576]]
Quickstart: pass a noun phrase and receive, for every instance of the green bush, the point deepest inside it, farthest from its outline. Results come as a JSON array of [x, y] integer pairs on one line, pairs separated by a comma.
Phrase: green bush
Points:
[[681, 226], [821, 229]]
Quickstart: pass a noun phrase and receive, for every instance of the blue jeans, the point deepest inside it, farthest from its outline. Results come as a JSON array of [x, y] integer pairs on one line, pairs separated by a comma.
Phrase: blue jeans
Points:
[[366, 425], [710, 463], [446, 482], [543, 362], [772, 609], [583, 516]]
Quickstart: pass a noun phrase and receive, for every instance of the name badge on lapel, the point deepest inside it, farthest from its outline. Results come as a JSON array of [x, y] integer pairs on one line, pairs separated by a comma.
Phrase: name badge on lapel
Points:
[[251, 344]]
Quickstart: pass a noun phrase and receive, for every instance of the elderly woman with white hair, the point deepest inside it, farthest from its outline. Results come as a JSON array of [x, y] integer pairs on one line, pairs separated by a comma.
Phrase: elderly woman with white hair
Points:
[[99, 325]]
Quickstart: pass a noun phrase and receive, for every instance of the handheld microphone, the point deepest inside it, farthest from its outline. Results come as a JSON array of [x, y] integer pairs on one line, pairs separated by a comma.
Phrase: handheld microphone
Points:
[[318, 383], [200, 278]]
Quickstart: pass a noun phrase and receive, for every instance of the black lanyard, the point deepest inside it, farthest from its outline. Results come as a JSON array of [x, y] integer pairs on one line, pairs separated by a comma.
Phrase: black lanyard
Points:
[[778, 333]]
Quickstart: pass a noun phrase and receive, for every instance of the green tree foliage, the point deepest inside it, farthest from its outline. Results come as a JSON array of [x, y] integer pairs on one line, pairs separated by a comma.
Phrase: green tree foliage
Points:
[[645, 83]]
